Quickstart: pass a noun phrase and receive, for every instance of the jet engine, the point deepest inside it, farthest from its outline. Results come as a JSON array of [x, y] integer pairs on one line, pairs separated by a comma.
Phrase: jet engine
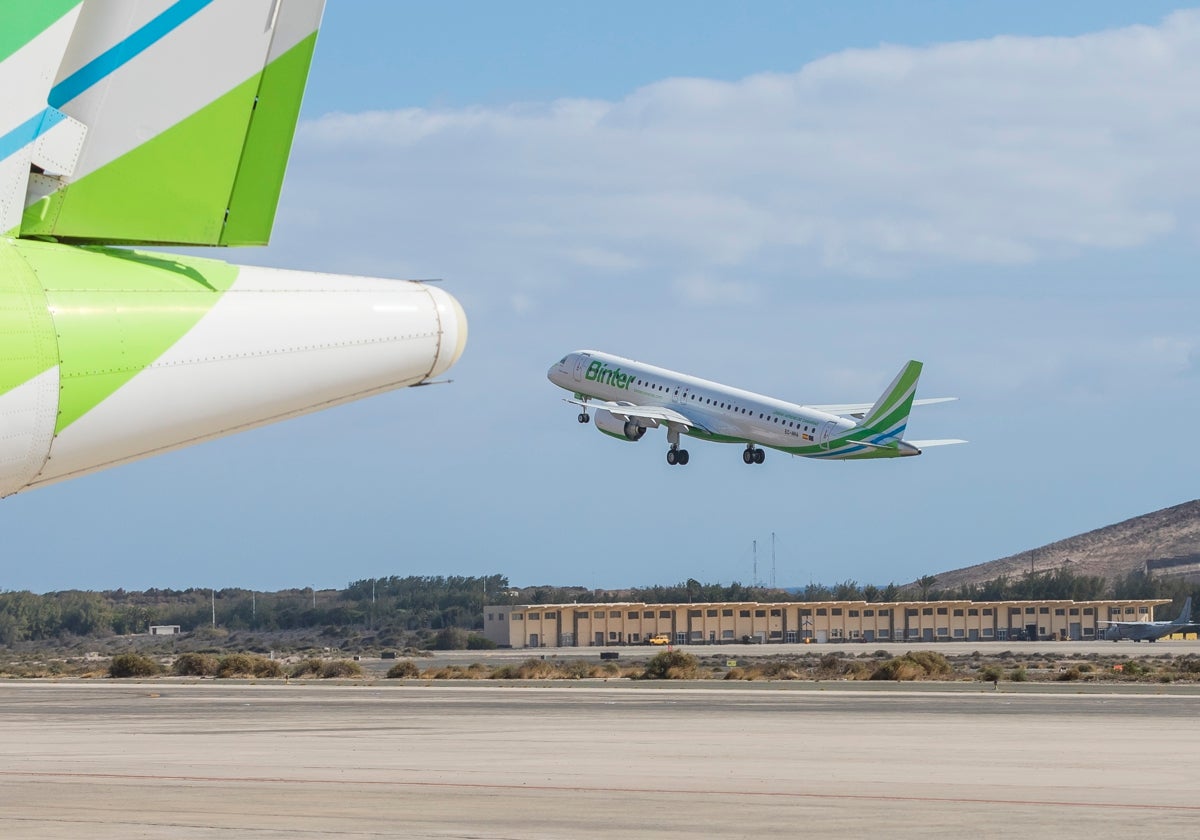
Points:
[[618, 428]]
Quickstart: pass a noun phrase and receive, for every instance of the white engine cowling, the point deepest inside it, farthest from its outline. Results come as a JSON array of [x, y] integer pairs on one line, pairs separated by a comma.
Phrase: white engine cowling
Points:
[[618, 428]]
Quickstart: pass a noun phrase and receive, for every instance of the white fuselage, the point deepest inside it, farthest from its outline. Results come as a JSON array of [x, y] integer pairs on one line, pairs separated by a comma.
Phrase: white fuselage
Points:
[[730, 414]]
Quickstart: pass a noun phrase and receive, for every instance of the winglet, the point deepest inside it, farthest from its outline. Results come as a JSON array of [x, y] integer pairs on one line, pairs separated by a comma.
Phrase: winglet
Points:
[[889, 415]]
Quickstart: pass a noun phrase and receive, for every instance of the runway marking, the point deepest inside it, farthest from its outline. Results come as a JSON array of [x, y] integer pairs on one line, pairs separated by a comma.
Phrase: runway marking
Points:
[[497, 786]]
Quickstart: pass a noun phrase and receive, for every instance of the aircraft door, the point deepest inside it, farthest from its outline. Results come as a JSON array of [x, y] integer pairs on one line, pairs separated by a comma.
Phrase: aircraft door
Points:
[[681, 395], [580, 363], [826, 433]]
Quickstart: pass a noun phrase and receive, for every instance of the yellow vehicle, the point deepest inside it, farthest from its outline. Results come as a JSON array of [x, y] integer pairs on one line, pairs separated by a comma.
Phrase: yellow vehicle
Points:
[[660, 639]]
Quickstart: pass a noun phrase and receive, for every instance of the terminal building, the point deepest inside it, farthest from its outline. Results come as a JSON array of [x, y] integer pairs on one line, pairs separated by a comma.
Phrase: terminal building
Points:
[[604, 625]]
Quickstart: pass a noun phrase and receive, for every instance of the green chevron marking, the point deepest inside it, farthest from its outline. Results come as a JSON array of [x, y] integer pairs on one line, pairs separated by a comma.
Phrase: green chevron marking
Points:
[[117, 311], [27, 346]]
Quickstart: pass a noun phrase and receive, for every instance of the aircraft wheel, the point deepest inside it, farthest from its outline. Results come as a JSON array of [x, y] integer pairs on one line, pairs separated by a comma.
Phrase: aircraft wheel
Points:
[[748, 456], [672, 457], [759, 456], [682, 457], [583, 417]]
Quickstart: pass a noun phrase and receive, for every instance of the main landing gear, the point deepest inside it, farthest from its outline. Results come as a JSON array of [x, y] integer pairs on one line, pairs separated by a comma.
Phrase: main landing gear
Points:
[[583, 416], [753, 455], [675, 455]]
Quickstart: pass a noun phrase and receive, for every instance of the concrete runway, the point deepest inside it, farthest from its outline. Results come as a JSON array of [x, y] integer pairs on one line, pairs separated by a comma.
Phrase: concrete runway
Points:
[[208, 759]]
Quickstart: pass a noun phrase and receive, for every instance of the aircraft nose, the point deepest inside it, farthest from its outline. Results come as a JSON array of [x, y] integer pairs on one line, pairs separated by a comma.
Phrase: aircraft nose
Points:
[[558, 370]]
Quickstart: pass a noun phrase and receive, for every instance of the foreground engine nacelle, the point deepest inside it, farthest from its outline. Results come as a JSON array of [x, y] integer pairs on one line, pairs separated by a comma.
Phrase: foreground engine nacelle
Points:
[[618, 428]]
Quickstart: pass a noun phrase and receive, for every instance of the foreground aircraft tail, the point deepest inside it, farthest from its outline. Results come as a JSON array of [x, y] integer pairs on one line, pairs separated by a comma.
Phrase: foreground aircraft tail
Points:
[[154, 122], [888, 417], [149, 121]]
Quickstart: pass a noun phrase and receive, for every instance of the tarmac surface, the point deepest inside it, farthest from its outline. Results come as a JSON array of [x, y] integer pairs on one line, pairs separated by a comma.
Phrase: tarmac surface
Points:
[[1165, 647], [205, 759]]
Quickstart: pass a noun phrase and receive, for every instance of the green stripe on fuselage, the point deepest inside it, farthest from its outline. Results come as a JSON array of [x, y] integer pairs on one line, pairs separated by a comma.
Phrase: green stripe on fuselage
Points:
[[117, 311], [27, 345]]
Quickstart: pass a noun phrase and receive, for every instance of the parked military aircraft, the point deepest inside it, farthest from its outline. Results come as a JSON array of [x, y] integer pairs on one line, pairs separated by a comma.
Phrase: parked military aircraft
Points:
[[1149, 631]]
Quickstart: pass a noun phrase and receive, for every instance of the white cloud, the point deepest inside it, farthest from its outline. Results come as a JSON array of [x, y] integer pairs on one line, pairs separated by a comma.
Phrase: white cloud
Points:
[[705, 290], [867, 162]]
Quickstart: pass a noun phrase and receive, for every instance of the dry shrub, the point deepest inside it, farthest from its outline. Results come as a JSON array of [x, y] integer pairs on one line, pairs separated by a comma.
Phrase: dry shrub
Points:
[[671, 665], [857, 671], [783, 670], [536, 669], [267, 669], [457, 672], [828, 666], [914, 665], [340, 669], [132, 665], [578, 669], [991, 673], [246, 665], [750, 673], [306, 668], [195, 665], [404, 670]]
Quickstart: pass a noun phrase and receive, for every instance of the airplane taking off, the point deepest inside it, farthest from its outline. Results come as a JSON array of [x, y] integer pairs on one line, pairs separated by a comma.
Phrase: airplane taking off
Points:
[[169, 122], [1149, 631], [631, 397]]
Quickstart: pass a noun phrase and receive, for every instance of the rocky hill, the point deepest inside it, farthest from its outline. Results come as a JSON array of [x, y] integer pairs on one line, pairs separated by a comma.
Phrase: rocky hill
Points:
[[1166, 543]]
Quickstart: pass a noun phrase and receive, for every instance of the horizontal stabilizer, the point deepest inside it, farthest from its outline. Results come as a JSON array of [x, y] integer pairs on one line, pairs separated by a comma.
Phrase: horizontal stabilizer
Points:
[[859, 410], [925, 444]]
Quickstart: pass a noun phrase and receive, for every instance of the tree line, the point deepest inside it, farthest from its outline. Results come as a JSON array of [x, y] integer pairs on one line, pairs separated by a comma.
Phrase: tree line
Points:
[[435, 603], [391, 603]]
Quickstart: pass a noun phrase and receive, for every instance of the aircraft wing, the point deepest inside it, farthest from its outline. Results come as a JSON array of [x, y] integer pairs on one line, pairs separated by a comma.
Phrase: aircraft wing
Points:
[[654, 414], [859, 410]]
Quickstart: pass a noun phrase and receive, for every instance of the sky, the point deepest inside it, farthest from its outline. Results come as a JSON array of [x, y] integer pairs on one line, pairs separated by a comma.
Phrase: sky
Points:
[[792, 198]]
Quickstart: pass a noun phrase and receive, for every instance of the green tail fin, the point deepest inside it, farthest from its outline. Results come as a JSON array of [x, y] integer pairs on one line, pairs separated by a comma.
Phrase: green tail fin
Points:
[[889, 416]]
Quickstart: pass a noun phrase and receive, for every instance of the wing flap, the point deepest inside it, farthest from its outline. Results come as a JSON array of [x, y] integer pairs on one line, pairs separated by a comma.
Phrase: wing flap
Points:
[[655, 414]]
